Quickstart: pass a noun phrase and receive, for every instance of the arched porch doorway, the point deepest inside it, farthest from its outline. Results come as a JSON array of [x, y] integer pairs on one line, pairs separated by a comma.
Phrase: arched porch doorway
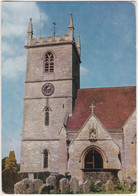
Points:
[[93, 157], [93, 160], [94, 165]]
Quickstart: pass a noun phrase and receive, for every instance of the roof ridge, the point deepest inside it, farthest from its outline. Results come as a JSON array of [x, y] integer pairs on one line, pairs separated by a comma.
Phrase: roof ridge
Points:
[[97, 88]]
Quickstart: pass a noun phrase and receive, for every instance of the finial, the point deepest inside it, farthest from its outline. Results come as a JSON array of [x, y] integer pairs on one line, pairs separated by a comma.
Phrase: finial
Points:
[[71, 22], [30, 31], [92, 106], [71, 28], [78, 44], [30, 27]]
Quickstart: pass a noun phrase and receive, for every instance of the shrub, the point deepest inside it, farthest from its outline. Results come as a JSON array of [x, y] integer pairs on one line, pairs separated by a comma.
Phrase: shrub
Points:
[[10, 162], [94, 188], [70, 191]]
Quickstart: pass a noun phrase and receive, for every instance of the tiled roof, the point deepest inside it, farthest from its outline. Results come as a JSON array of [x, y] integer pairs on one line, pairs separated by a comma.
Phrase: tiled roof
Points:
[[113, 106]]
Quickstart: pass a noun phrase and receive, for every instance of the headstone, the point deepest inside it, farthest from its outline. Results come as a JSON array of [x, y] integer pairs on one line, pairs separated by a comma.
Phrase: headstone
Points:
[[23, 187], [51, 181], [86, 186], [64, 186], [129, 182], [58, 178], [36, 184], [74, 185]]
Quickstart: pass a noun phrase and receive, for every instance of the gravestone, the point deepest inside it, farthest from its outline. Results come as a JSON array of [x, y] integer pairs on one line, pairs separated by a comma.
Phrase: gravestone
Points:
[[86, 186], [51, 181], [36, 184], [74, 185], [23, 187], [64, 186]]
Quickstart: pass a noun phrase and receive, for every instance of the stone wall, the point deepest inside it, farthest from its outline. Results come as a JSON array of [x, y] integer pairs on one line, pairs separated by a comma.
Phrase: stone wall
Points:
[[62, 60], [79, 147], [102, 175], [35, 135], [129, 148], [32, 156]]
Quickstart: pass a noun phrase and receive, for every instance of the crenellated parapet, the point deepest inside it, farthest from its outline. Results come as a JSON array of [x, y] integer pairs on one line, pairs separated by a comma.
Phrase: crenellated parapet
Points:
[[49, 39], [58, 39]]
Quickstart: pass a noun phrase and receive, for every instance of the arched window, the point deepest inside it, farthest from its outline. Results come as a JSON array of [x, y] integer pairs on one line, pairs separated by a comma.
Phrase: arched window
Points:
[[49, 62], [93, 160], [46, 116], [45, 158]]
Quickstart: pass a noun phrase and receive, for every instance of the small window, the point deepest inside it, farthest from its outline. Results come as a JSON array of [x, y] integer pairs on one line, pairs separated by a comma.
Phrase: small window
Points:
[[49, 62], [45, 159], [46, 117]]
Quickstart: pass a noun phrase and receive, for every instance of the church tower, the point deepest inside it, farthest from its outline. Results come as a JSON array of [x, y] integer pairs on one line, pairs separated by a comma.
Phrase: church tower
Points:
[[52, 80]]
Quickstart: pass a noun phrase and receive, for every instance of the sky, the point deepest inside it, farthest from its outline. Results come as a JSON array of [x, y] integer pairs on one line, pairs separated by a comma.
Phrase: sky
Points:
[[108, 50]]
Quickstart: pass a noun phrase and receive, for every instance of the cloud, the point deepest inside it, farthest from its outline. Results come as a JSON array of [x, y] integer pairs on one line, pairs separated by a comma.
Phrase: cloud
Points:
[[13, 68], [15, 20], [83, 70]]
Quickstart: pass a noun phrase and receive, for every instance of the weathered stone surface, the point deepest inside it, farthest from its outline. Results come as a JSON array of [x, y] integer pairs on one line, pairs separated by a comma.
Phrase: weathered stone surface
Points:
[[60, 103], [102, 176], [129, 181], [109, 186], [64, 95], [98, 183], [74, 185], [80, 188], [36, 184], [23, 187], [64, 185], [51, 181], [58, 178], [129, 161], [86, 186]]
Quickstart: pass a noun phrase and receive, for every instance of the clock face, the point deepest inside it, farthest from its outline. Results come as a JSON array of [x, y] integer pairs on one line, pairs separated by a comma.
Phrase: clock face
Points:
[[47, 89]]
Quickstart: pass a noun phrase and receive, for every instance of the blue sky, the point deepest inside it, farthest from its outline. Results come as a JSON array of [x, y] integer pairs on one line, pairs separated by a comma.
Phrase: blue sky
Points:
[[108, 50]]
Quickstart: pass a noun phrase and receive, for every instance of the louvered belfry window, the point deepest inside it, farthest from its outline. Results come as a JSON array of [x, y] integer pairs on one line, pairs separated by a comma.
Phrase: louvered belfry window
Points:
[[45, 159], [49, 62], [46, 117]]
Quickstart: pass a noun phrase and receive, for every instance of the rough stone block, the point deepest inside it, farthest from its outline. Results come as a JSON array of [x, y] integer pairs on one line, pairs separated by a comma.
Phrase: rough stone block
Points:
[[66, 37], [57, 37], [49, 38], [51, 181], [109, 186], [36, 184], [74, 185], [41, 39], [23, 187], [98, 183], [86, 186], [64, 185]]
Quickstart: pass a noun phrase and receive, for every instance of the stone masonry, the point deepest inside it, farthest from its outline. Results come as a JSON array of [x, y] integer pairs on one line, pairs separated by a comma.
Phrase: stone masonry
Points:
[[61, 134]]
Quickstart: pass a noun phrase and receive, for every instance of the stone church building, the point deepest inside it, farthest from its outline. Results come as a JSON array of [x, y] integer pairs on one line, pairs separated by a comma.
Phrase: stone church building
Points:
[[66, 129]]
